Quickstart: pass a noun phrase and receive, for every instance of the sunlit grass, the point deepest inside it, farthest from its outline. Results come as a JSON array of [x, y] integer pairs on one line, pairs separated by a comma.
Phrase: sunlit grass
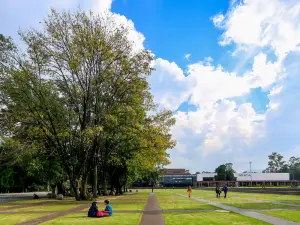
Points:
[[10, 219], [80, 218]]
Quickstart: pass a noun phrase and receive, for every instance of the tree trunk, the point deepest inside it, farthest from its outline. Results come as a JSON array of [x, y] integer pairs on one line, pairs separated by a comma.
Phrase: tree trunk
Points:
[[104, 184], [95, 181], [53, 189], [60, 188], [74, 186], [83, 193], [112, 188]]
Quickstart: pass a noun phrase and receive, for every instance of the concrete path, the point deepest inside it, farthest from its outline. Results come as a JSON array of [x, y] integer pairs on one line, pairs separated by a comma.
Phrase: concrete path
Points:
[[53, 216], [21, 196], [152, 213], [25, 206], [255, 215]]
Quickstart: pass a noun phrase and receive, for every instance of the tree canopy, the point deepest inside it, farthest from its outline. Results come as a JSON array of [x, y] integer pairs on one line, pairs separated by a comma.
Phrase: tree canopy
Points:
[[78, 96], [225, 172], [277, 164]]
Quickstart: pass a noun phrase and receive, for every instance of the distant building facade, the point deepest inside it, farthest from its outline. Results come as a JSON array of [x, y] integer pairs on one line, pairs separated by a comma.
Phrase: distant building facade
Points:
[[183, 178], [245, 179], [178, 178]]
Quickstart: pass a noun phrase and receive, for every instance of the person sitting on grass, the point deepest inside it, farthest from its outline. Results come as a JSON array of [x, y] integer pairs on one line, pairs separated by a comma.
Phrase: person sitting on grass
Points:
[[93, 210], [108, 211]]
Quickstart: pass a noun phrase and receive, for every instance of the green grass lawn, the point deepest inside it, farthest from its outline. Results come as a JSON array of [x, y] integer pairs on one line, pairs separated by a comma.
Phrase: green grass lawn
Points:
[[209, 218], [257, 205], [247, 200], [23, 202], [40, 208], [287, 215], [4, 206], [8, 219], [122, 207], [197, 206], [80, 218], [168, 200]]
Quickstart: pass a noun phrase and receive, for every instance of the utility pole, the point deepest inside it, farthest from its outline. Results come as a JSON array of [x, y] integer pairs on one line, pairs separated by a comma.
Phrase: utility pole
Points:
[[250, 172]]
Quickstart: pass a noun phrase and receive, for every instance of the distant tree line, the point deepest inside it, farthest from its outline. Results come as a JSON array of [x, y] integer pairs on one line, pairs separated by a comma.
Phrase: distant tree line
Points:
[[277, 164]]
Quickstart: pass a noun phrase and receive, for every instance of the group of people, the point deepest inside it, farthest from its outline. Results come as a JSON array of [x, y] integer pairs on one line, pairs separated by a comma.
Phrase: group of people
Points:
[[218, 191], [108, 211], [95, 212]]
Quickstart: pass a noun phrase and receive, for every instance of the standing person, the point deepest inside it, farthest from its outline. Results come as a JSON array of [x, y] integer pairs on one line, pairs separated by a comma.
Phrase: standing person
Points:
[[189, 191], [225, 189], [218, 191]]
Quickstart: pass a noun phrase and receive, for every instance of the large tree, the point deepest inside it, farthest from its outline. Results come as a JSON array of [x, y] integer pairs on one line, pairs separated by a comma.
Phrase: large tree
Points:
[[294, 167], [225, 172], [83, 89], [276, 163]]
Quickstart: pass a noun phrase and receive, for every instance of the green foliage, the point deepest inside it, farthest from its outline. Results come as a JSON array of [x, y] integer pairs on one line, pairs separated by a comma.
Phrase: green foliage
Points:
[[6, 178], [276, 163], [225, 172], [78, 100]]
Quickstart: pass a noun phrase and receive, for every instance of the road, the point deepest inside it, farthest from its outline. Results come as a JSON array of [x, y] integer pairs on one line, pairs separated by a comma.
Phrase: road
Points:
[[20, 196]]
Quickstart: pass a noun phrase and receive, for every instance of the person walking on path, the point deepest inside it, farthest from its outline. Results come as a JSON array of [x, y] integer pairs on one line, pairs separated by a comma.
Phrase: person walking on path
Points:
[[189, 191]]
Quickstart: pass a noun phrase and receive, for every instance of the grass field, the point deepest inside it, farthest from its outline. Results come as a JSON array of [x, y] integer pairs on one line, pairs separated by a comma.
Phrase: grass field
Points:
[[8, 219], [79, 218], [202, 213], [209, 218]]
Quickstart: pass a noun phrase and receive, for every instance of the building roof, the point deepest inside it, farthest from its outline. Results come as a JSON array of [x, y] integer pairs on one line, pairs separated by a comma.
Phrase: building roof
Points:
[[176, 172]]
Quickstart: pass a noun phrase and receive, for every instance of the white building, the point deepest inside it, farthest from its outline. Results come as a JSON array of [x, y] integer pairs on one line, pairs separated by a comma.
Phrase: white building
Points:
[[248, 176], [245, 179]]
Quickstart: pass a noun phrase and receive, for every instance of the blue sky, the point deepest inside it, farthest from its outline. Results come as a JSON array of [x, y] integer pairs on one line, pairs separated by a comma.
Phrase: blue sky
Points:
[[186, 23], [227, 69]]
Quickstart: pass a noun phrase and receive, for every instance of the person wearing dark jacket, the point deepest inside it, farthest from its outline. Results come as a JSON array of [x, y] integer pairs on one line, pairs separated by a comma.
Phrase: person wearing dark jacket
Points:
[[225, 189], [218, 191], [93, 210]]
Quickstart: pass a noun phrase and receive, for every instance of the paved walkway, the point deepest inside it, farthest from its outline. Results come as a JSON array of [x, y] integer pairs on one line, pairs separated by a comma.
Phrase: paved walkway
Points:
[[10, 197], [152, 213], [255, 215], [53, 216], [26, 205]]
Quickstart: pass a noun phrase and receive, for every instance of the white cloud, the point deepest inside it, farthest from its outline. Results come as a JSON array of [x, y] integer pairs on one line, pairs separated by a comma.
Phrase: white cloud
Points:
[[101, 6], [217, 135], [218, 20], [104, 6], [205, 84], [211, 84], [225, 132], [219, 130], [187, 56], [168, 84], [264, 73], [262, 23]]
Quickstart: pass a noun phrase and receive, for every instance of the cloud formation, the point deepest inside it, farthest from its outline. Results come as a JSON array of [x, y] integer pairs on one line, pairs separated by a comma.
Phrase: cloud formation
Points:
[[221, 130]]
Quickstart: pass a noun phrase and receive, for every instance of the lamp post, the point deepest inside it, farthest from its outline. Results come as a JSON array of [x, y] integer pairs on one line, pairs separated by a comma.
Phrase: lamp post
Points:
[[250, 172]]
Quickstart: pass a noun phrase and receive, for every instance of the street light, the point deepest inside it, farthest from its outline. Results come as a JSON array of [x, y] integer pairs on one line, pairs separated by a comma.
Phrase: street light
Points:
[[250, 172]]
